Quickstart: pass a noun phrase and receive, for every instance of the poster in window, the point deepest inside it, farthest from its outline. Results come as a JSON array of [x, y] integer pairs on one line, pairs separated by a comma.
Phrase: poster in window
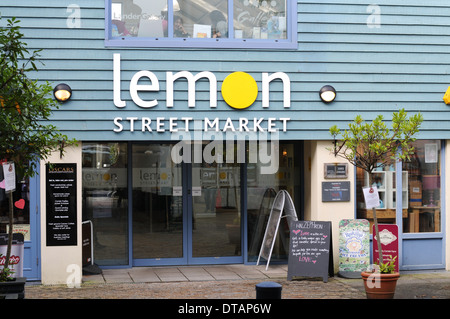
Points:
[[431, 153]]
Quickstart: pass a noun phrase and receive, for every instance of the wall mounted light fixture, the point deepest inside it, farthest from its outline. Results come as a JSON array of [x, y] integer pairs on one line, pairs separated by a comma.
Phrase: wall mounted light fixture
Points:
[[62, 92], [327, 93]]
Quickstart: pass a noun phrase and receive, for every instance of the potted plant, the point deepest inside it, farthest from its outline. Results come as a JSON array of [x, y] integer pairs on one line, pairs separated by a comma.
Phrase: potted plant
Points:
[[380, 282], [10, 286], [371, 145], [25, 108]]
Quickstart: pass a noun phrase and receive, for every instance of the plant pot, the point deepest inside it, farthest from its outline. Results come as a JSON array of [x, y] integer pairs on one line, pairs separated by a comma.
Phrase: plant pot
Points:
[[380, 286], [13, 287]]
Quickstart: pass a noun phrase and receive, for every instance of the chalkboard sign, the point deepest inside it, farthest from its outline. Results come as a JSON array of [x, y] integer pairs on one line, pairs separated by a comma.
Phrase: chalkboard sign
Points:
[[335, 191], [61, 205], [310, 250]]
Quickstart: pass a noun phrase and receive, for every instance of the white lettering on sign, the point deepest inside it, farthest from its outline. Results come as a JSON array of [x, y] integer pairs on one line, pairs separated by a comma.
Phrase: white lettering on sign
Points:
[[135, 88], [161, 124]]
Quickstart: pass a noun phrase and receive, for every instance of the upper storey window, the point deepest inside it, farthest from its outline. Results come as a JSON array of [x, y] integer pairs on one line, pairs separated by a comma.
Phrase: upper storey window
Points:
[[202, 23]]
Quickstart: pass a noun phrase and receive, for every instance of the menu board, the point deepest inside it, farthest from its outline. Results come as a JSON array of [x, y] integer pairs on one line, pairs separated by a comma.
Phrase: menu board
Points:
[[61, 205], [310, 250], [335, 191]]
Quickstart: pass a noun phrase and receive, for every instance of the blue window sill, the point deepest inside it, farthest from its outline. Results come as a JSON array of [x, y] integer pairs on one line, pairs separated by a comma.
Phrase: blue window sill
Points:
[[192, 43]]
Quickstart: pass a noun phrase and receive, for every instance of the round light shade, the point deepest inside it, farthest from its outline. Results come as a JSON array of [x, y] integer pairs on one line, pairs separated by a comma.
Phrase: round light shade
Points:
[[62, 92], [327, 93]]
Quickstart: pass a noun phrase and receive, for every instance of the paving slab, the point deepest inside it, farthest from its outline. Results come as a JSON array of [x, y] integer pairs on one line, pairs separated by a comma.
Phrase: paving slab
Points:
[[170, 274], [116, 276], [143, 274], [222, 273], [195, 273]]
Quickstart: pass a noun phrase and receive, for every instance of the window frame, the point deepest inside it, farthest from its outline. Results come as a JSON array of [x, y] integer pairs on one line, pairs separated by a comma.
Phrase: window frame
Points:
[[223, 43]]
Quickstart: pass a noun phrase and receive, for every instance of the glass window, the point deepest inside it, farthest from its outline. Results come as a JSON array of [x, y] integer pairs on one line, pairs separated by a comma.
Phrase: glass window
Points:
[[421, 188], [256, 19], [157, 203], [384, 179], [21, 200], [105, 200], [204, 23], [261, 192], [424, 191]]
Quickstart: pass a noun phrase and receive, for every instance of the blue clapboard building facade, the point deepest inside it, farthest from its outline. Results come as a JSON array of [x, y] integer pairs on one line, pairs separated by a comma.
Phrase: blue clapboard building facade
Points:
[[191, 115]]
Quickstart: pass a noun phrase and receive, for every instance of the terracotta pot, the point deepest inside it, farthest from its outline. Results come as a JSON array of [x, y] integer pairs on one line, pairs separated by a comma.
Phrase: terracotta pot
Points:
[[380, 286]]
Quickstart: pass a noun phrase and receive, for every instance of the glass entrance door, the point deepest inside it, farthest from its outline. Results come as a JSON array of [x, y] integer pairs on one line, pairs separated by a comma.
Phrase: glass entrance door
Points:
[[149, 208], [157, 211], [183, 213], [216, 213]]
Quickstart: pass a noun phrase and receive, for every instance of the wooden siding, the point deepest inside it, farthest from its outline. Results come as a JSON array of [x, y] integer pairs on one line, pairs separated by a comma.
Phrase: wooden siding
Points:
[[402, 64]]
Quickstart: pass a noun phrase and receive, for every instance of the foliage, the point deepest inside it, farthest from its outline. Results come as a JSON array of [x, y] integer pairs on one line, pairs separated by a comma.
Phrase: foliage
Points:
[[6, 273], [367, 145], [25, 107], [387, 267], [370, 145]]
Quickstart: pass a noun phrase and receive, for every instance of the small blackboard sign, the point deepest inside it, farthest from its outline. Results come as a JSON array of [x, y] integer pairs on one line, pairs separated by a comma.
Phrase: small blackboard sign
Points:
[[335, 191], [310, 250], [61, 194]]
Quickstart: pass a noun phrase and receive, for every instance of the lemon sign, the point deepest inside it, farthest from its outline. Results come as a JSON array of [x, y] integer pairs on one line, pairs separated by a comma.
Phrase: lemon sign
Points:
[[239, 90]]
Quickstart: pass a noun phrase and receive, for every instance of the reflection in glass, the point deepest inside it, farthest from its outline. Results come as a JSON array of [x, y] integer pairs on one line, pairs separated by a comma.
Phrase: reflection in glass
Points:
[[201, 19], [261, 192], [252, 19], [260, 19], [105, 200], [216, 209], [424, 192], [421, 188], [145, 19], [157, 203], [384, 179], [21, 206]]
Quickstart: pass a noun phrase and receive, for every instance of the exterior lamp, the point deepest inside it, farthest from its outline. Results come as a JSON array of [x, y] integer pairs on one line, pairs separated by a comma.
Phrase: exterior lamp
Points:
[[327, 93], [62, 92]]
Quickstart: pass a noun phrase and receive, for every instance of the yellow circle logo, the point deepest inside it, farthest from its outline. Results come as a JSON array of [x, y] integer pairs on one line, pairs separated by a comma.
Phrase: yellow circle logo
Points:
[[239, 90]]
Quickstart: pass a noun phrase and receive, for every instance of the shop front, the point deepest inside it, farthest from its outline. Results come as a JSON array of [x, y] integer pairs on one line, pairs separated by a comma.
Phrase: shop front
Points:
[[148, 208], [185, 136]]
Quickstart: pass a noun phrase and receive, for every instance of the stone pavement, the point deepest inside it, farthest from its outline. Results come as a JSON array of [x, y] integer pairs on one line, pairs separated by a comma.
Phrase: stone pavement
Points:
[[230, 282]]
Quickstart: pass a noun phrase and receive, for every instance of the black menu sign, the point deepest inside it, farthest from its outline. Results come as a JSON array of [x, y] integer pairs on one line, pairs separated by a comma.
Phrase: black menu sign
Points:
[[335, 191], [61, 214], [310, 252]]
